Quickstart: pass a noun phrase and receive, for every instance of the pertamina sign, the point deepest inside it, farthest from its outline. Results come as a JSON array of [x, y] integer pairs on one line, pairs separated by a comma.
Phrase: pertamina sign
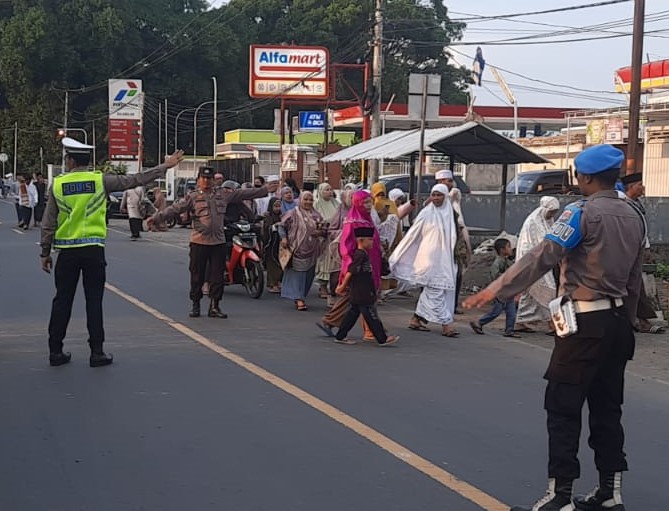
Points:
[[125, 99], [125, 122], [289, 71]]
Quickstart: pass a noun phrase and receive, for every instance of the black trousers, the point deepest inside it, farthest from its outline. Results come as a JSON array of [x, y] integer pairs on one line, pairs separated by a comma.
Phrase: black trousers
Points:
[[26, 215], [135, 226], [588, 366], [207, 261], [458, 285], [371, 317], [89, 262], [39, 212]]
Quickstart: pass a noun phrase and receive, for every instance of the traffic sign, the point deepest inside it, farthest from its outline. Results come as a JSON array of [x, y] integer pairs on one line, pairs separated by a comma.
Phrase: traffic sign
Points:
[[312, 121], [4, 157]]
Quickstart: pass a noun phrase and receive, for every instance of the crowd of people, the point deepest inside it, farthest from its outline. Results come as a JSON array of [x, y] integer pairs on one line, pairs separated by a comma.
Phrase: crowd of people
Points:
[[357, 244], [29, 193]]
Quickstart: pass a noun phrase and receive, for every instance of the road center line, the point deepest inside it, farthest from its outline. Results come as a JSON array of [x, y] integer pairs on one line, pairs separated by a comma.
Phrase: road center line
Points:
[[464, 489]]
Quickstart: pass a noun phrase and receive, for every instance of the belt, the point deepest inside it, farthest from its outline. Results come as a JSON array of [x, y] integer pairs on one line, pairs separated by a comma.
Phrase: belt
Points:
[[597, 305]]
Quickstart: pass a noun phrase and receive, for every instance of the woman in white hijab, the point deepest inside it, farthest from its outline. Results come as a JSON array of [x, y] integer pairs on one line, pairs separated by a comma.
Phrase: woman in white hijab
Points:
[[533, 305], [425, 258]]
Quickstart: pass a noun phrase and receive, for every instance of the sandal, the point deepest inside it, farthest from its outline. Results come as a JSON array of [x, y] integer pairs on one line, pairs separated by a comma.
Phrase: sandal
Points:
[[654, 329], [392, 339], [301, 306], [511, 334], [476, 327], [346, 341], [326, 329], [450, 333], [418, 327]]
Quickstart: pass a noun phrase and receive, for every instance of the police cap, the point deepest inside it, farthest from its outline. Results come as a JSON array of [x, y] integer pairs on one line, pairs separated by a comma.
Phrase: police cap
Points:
[[72, 146], [598, 159], [632, 178], [205, 172]]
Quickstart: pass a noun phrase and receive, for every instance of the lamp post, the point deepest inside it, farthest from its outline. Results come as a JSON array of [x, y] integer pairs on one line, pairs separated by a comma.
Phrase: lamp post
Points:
[[215, 114], [195, 127], [176, 129]]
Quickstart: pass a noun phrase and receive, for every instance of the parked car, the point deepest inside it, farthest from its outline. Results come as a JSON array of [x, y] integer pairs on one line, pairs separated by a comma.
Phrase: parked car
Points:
[[114, 205], [542, 181], [184, 186], [401, 181]]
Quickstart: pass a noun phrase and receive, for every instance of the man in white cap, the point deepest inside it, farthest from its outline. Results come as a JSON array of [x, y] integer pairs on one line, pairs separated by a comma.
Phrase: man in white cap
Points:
[[74, 222], [445, 177], [261, 205]]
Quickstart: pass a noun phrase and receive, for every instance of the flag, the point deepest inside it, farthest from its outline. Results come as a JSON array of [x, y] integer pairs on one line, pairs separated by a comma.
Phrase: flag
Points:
[[478, 66]]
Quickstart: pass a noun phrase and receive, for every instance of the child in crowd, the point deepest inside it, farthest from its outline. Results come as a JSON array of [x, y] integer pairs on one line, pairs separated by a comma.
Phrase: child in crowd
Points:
[[501, 263], [362, 292]]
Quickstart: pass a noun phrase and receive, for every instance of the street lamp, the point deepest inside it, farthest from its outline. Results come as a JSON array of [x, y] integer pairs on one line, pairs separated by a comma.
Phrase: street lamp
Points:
[[176, 129], [195, 127], [215, 114]]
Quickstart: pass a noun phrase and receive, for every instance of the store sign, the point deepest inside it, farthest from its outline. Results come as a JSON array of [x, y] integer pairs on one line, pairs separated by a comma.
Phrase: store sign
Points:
[[289, 158], [313, 121], [125, 99], [288, 71], [614, 130], [125, 122]]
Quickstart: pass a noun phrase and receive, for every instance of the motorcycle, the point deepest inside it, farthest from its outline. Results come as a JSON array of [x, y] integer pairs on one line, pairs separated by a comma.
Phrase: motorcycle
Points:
[[244, 265]]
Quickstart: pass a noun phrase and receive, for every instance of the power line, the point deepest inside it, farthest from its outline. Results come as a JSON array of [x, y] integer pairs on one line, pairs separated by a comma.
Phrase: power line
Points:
[[536, 13]]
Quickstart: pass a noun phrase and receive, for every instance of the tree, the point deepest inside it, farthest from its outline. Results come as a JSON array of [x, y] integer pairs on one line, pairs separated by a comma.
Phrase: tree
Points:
[[176, 46]]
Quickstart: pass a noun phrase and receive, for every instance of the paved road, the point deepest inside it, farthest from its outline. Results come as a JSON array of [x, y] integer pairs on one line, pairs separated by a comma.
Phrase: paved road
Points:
[[259, 412]]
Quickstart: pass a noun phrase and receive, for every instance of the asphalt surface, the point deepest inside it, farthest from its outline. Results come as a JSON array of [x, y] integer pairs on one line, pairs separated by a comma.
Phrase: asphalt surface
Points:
[[174, 425]]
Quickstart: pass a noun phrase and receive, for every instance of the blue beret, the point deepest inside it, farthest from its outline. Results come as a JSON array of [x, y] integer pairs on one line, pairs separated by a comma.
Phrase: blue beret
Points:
[[598, 159]]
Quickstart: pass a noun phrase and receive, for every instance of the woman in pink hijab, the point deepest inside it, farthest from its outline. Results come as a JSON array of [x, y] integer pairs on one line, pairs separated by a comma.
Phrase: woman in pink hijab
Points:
[[360, 215]]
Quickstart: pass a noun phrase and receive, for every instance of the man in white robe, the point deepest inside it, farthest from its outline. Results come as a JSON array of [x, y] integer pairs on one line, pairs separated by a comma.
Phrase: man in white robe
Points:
[[425, 258], [533, 305]]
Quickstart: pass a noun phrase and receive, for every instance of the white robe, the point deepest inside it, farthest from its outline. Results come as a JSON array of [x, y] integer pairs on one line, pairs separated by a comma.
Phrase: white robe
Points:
[[533, 306], [424, 258]]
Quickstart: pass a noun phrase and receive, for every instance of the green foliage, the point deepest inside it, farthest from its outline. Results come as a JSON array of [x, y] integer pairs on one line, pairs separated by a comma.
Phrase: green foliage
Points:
[[119, 169], [662, 271], [176, 46]]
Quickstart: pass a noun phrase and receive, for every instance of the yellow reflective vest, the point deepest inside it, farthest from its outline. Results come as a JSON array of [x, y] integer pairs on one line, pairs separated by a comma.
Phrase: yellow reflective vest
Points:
[[82, 208]]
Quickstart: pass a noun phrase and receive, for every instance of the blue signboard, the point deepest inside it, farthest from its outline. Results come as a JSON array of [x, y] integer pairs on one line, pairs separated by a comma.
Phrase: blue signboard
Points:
[[312, 121]]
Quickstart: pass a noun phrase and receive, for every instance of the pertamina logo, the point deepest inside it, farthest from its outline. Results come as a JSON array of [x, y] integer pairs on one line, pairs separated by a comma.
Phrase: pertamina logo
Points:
[[128, 93]]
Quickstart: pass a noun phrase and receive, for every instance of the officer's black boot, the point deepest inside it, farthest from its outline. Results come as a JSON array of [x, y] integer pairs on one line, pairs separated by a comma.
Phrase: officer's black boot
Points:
[[195, 309], [605, 497], [100, 358], [59, 359], [215, 311], [557, 498]]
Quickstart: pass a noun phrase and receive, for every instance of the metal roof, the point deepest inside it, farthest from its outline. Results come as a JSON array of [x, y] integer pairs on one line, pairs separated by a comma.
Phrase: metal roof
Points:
[[469, 143]]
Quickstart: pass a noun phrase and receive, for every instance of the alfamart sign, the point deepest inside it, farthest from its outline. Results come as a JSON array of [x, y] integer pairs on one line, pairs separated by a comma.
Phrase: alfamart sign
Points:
[[289, 71]]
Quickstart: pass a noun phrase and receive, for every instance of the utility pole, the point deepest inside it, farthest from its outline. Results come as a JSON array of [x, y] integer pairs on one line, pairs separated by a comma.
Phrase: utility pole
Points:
[[160, 133], [167, 151], [377, 76], [16, 146], [213, 151], [635, 93], [67, 104]]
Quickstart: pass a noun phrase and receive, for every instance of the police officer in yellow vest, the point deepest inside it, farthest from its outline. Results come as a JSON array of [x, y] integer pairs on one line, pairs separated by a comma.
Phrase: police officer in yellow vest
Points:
[[74, 222]]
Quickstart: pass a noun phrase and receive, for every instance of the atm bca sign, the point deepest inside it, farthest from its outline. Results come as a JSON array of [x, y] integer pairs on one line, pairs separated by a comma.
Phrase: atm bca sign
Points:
[[289, 71]]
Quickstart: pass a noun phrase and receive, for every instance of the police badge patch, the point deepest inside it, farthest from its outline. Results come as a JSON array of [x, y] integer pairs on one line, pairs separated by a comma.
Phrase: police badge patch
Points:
[[566, 231]]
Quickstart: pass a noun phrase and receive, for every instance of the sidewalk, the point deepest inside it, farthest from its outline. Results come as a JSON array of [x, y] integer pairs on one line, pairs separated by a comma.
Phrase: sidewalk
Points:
[[651, 359]]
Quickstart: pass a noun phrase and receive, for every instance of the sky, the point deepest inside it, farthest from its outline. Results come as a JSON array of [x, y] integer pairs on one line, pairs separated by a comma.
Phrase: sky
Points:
[[585, 68], [582, 65]]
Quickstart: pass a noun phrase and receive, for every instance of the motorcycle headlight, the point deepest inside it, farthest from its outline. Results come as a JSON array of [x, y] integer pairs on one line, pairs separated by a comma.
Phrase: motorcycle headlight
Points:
[[244, 227]]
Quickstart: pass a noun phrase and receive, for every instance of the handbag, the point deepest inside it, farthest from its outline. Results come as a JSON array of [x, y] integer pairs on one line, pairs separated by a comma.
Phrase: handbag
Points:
[[285, 256]]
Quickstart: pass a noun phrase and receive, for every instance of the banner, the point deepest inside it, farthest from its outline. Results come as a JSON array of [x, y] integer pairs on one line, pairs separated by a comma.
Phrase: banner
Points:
[[289, 158]]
